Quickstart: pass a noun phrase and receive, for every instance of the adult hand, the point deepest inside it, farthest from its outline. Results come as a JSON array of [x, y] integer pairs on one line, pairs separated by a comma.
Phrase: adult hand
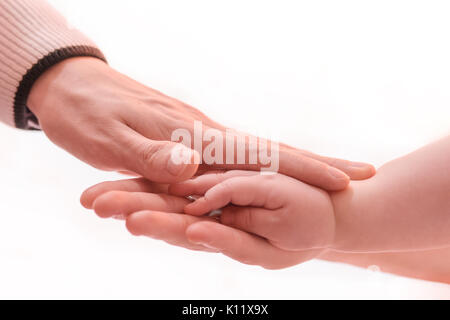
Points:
[[115, 123], [150, 211]]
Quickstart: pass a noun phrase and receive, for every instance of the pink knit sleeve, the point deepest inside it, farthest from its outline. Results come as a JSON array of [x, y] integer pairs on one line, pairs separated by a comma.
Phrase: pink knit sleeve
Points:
[[33, 37]]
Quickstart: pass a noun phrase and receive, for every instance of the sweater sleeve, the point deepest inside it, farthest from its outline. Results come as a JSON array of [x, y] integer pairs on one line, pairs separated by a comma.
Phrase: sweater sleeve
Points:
[[33, 37]]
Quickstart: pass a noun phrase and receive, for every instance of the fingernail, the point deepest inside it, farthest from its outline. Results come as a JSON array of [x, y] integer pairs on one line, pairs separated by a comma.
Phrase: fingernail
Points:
[[337, 173], [175, 169], [180, 156], [364, 167], [358, 165], [207, 245]]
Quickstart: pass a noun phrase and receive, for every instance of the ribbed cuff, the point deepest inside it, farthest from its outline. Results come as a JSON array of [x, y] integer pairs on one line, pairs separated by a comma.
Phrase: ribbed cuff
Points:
[[33, 37], [23, 117]]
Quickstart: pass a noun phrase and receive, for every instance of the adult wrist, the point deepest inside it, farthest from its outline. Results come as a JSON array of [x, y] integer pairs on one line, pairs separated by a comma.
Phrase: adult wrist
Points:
[[34, 84], [57, 82]]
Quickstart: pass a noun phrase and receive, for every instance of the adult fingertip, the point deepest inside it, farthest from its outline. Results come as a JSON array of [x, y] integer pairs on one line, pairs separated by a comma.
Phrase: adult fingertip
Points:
[[183, 162], [87, 197], [86, 200], [361, 171], [371, 171], [134, 223], [97, 206], [107, 205], [338, 180], [188, 172], [163, 161], [200, 233], [130, 224]]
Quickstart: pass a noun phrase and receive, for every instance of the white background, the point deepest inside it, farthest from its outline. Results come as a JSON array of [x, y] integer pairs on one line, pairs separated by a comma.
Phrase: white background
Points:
[[363, 80]]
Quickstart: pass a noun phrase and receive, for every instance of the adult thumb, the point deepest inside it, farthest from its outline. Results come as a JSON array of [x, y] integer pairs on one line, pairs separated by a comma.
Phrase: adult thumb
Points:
[[162, 161]]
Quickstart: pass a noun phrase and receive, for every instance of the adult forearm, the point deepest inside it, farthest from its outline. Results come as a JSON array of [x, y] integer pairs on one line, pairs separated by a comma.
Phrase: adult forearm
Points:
[[406, 206]]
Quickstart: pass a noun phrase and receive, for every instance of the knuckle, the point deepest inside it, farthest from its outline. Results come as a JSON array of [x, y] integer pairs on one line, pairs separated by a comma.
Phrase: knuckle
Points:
[[219, 190], [148, 153], [227, 216], [130, 225], [218, 177], [246, 218], [225, 185]]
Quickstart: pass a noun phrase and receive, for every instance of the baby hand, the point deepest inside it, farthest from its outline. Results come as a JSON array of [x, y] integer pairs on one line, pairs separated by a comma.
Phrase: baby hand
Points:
[[290, 214]]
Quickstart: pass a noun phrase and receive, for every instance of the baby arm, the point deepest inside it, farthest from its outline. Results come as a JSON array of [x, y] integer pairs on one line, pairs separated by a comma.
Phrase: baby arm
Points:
[[406, 206], [432, 265]]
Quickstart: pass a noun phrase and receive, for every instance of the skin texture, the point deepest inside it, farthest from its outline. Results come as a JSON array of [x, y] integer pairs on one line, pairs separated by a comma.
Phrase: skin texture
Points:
[[112, 122], [406, 231]]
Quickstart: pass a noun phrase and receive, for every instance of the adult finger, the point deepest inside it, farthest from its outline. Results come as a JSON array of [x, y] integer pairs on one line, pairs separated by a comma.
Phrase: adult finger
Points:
[[355, 170], [131, 185], [294, 164], [169, 227], [298, 166], [128, 173], [123, 203], [244, 247], [159, 161], [312, 171]]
